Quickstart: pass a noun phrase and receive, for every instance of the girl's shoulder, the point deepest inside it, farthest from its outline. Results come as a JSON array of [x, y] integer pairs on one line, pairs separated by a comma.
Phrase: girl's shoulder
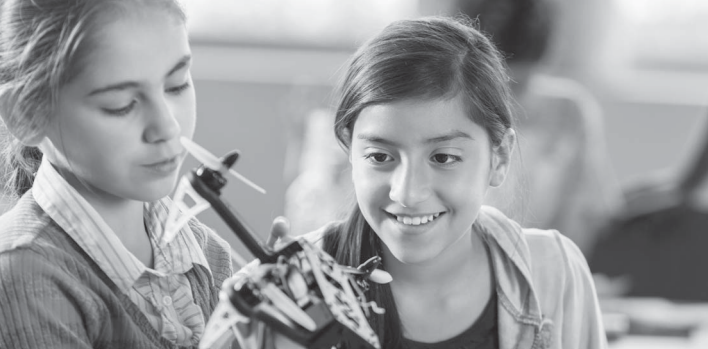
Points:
[[26, 225], [34, 250], [543, 251], [551, 263], [557, 268], [551, 244], [502, 228], [555, 260]]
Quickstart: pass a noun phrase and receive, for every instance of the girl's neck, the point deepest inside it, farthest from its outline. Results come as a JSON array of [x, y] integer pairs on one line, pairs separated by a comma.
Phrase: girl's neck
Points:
[[465, 257], [441, 298], [123, 216]]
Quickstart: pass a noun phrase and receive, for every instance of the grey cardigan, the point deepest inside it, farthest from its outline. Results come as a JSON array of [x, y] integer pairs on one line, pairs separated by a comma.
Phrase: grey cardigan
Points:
[[53, 295]]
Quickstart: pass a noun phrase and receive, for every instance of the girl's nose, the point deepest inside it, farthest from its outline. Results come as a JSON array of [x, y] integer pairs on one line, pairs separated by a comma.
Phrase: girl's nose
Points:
[[410, 185], [162, 124]]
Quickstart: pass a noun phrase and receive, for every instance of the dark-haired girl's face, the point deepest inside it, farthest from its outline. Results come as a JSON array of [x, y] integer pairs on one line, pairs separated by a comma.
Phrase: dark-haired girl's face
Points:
[[420, 171], [117, 125]]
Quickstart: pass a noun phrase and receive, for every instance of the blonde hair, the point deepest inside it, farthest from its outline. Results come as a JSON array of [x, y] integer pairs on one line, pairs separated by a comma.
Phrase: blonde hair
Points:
[[42, 46]]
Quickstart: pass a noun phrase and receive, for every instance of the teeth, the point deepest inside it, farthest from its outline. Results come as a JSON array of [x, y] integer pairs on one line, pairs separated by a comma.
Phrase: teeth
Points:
[[417, 220]]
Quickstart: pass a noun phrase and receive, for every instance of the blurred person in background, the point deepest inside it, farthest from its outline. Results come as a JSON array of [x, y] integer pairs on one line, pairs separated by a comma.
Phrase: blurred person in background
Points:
[[563, 180], [656, 247]]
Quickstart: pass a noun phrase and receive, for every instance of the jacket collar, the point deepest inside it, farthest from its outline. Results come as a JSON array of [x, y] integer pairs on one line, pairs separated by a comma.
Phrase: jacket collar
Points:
[[511, 263], [521, 322]]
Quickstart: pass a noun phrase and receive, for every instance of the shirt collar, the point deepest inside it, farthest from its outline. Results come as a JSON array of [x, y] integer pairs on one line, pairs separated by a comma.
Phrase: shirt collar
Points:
[[180, 253], [84, 225]]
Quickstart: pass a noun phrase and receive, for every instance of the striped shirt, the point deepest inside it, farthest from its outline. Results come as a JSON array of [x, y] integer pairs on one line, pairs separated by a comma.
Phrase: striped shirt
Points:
[[162, 293]]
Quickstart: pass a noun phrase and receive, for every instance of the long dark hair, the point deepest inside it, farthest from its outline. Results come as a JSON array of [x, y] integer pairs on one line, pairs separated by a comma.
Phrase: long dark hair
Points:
[[43, 44], [427, 58]]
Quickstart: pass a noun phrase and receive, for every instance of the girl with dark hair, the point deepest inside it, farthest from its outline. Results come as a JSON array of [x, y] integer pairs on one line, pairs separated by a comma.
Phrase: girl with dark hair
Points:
[[425, 117], [94, 96]]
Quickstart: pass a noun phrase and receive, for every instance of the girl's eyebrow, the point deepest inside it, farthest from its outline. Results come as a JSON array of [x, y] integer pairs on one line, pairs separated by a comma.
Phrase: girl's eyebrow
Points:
[[438, 139], [375, 139], [182, 63], [448, 137], [114, 87]]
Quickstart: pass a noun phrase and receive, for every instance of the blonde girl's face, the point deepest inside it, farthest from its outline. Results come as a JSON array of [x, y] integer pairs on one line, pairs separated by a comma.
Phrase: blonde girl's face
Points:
[[420, 171], [118, 122]]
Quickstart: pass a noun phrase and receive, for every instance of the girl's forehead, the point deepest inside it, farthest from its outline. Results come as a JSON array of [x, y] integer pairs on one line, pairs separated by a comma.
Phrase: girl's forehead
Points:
[[415, 116], [417, 121], [133, 47]]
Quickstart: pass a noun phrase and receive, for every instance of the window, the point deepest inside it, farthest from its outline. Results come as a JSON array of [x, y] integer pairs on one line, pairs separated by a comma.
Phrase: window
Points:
[[305, 23], [657, 50]]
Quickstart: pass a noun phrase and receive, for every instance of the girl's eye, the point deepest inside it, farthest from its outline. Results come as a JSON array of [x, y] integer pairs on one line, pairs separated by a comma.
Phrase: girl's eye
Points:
[[177, 90], [377, 158], [446, 159], [121, 111]]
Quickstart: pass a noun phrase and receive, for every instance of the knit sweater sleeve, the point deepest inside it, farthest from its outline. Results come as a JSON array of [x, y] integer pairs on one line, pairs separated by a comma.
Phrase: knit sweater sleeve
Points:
[[41, 307]]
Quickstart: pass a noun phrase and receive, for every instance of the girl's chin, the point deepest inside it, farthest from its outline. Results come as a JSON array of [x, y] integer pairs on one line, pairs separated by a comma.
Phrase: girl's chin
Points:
[[409, 258], [410, 254], [154, 191]]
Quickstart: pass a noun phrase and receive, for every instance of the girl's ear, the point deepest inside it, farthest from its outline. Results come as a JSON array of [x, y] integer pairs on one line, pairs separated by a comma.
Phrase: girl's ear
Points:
[[501, 158]]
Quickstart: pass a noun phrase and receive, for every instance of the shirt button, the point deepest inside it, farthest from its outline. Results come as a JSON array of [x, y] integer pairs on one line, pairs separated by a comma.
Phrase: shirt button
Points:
[[167, 300]]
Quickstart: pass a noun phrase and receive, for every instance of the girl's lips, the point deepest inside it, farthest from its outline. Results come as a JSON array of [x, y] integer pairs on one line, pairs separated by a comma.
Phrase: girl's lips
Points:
[[416, 220], [164, 167], [168, 160]]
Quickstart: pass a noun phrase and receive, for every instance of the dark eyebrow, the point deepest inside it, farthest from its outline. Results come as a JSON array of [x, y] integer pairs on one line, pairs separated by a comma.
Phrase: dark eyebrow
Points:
[[183, 62], [443, 138], [374, 139], [449, 137], [114, 87]]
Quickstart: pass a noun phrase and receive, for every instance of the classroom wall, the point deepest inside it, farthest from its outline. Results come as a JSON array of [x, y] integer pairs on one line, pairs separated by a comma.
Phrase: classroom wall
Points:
[[252, 99]]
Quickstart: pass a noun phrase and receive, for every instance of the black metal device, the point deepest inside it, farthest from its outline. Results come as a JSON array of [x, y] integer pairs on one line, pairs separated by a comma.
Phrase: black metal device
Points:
[[297, 290]]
